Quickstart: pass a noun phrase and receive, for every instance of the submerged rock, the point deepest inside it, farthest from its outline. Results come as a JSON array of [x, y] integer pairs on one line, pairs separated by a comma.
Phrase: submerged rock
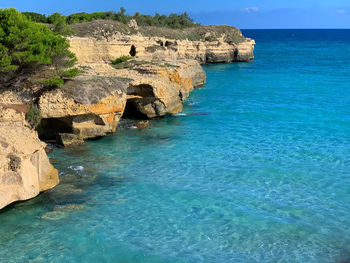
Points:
[[55, 215], [69, 139], [141, 124], [62, 211]]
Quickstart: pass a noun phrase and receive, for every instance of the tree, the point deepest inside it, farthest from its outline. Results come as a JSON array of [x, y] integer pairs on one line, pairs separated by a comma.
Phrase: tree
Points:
[[60, 24], [39, 18], [26, 46]]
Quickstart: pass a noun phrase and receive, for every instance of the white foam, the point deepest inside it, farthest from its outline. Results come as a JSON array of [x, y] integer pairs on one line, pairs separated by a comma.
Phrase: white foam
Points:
[[76, 168]]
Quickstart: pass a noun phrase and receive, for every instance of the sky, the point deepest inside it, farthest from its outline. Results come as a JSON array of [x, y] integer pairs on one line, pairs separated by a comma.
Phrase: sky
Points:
[[245, 14]]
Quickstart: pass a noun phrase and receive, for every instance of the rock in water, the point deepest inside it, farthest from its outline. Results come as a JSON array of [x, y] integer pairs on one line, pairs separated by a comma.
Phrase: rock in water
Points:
[[141, 124]]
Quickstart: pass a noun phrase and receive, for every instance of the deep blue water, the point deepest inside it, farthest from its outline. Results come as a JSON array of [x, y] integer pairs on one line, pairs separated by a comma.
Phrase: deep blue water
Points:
[[260, 174]]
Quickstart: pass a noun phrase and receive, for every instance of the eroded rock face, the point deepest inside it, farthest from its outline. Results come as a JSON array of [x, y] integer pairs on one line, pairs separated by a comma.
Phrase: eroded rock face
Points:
[[92, 50], [25, 169], [89, 106], [155, 88]]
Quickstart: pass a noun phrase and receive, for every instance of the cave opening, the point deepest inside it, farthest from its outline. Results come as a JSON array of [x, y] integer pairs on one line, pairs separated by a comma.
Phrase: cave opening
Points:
[[132, 51], [139, 96], [50, 128], [132, 112]]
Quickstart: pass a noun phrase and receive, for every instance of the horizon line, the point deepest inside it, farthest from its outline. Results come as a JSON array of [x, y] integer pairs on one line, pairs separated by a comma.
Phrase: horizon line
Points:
[[293, 28]]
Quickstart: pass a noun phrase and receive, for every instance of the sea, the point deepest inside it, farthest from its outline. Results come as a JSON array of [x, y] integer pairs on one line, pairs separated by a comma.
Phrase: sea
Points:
[[255, 169]]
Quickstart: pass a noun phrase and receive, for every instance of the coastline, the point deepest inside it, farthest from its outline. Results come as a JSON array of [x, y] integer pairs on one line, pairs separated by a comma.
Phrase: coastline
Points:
[[266, 172], [152, 85]]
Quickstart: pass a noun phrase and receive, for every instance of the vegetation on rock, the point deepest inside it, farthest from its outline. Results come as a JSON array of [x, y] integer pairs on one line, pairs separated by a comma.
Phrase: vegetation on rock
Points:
[[137, 64], [102, 24], [27, 47], [33, 116], [121, 59], [106, 28], [39, 18], [60, 24]]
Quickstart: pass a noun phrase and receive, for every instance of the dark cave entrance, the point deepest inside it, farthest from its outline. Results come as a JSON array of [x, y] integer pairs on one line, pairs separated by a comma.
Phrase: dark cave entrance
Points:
[[132, 51], [50, 128], [132, 112], [139, 97]]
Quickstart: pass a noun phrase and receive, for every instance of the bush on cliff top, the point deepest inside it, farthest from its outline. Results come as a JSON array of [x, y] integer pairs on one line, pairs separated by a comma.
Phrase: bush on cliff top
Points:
[[60, 24], [26, 46], [177, 21]]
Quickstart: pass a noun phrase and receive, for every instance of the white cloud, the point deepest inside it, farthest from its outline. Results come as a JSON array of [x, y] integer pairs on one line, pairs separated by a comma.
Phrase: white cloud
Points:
[[342, 11], [251, 9]]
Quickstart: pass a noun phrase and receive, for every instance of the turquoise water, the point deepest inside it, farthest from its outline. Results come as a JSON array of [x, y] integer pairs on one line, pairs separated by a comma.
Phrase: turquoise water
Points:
[[256, 170]]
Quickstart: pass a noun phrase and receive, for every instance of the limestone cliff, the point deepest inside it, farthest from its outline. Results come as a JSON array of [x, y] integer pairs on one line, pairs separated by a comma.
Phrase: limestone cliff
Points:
[[107, 40], [25, 170], [155, 88], [91, 105]]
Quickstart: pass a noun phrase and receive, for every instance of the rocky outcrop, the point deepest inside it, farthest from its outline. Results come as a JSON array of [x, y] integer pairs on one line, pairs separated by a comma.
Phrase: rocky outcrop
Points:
[[103, 40], [25, 169], [86, 107], [91, 105], [154, 88], [91, 50]]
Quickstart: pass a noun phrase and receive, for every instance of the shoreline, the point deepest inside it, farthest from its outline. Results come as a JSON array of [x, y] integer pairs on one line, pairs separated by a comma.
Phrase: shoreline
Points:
[[152, 85]]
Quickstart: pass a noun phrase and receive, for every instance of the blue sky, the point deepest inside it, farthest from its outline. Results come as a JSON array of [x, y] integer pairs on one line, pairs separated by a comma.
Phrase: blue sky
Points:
[[241, 13]]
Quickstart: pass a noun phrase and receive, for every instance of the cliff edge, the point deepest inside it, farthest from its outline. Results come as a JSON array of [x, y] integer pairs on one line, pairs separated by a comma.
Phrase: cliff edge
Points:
[[104, 40]]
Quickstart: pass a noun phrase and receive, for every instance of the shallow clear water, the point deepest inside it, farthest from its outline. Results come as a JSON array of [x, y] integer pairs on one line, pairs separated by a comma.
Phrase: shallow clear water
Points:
[[258, 170]]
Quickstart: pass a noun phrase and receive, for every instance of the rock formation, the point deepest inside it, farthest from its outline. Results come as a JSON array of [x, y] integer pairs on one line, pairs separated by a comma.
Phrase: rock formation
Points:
[[105, 40], [86, 107], [25, 170], [91, 105]]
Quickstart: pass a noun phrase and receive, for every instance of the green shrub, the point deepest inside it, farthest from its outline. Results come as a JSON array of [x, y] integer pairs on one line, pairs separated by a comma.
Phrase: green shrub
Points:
[[60, 24], [121, 59], [35, 17], [71, 73], [26, 46], [33, 116], [55, 81]]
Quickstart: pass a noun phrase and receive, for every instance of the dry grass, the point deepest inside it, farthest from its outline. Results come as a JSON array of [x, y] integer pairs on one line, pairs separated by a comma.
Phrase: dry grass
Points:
[[107, 28]]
